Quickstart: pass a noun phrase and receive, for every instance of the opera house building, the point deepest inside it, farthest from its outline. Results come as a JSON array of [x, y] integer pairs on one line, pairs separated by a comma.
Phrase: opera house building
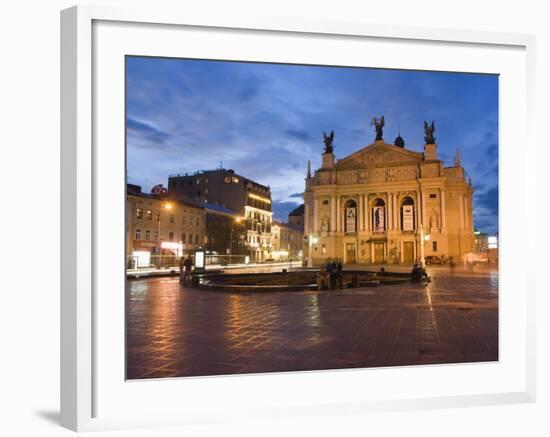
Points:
[[387, 204]]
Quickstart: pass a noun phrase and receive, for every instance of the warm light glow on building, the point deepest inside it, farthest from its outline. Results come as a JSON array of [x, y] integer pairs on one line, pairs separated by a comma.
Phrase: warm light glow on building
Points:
[[260, 198], [168, 206]]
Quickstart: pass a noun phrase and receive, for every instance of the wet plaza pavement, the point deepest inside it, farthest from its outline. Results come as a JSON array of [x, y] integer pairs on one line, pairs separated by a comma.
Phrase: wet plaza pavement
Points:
[[174, 331]]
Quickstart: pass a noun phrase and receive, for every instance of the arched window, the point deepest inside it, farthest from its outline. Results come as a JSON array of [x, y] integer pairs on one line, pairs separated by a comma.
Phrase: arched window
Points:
[[350, 216], [379, 215], [408, 222]]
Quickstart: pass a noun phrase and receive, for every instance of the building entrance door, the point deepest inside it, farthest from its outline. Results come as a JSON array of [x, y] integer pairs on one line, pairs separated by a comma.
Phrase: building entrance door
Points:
[[408, 251], [378, 252], [350, 253]]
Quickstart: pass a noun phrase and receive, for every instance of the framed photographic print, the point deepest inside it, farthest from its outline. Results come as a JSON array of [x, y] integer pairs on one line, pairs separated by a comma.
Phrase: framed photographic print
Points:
[[273, 218]]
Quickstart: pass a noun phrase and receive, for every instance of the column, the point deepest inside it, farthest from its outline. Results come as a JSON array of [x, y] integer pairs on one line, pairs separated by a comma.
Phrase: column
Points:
[[395, 212], [461, 211], [367, 213], [360, 210], [443, 212], [316, 215], [306, 216], [332, 214], [338, 215], [423, 195], [389, 211], [417, 210], [466, 214]]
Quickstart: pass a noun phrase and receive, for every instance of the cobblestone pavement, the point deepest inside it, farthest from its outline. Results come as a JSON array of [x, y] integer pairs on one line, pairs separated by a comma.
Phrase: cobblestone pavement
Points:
[[174, 331]]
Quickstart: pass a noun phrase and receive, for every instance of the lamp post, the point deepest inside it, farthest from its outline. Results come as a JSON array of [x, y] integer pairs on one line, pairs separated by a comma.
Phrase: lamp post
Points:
[[423, 238]]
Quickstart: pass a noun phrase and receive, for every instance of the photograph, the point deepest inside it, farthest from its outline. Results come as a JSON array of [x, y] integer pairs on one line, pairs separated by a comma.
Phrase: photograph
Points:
[[292, 217]]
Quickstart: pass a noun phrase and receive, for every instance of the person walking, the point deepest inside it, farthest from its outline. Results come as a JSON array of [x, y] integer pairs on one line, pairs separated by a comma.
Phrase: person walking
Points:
[[181, 264], [331, 269], [339, 276], [186, 270]]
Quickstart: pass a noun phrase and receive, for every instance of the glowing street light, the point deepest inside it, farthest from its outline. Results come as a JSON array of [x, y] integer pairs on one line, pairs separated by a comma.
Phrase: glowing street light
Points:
[[237, 219], [423, 238]]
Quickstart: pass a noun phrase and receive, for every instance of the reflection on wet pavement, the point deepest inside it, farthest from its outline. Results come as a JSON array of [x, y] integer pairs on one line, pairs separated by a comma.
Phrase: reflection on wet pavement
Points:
[[174, 331]]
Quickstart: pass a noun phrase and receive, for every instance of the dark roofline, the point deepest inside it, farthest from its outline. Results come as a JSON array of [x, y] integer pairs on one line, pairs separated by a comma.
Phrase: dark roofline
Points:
[[180, 199], [297, 211], [225, 170]]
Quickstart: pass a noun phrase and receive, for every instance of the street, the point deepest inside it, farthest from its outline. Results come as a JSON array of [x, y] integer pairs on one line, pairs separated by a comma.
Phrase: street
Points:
[[174, 331]]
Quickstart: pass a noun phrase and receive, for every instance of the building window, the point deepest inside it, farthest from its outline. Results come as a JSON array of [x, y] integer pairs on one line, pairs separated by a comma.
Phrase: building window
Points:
[[149, 214], [156, 235], [147, 234], [433, 196], [407, 215], [434, 246], [325, 202], [138, 234], [183, 237], [197, 239], [158, 217], [172, 219], [139, 213], [190, 239], [170, 236], [379, 215]]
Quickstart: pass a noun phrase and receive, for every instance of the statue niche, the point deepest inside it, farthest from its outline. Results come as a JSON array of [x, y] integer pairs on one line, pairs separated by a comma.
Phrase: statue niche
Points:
[[325, 223], [434, 221]]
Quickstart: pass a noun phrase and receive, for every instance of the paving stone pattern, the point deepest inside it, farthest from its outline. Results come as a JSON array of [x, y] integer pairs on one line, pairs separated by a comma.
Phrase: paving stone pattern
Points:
[[174, 331]]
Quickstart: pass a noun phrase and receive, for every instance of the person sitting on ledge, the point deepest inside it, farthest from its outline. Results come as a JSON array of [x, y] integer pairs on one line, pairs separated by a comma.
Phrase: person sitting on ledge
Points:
[[419, 273]]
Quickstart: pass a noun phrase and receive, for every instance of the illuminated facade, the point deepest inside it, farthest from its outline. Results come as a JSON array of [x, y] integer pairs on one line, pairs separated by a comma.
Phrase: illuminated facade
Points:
[[381, 203], [287, 241], [249, 199], [161, 225]]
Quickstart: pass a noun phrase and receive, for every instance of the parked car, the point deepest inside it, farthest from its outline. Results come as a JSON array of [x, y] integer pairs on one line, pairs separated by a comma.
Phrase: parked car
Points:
[[434, 259]]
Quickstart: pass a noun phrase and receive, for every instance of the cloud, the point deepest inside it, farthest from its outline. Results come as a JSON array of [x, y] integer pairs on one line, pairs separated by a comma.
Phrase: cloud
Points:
[[489, 200], [281, 210], [296, 195], [265, 121], [298, 134], [142, 132], [492, 151]]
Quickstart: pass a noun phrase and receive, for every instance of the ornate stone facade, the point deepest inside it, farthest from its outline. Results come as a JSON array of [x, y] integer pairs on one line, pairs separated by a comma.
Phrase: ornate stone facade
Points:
[[377, 205]]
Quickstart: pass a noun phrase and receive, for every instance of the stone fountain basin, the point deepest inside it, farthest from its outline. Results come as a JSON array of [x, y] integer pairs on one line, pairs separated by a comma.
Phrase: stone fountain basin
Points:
[[301, 280]]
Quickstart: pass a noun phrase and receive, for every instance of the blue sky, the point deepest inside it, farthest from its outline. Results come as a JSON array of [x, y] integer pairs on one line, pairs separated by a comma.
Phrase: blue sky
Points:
[[266, 120]]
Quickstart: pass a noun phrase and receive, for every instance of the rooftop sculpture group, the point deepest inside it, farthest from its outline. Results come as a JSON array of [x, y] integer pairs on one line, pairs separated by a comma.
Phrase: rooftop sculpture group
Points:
[[379, 123]]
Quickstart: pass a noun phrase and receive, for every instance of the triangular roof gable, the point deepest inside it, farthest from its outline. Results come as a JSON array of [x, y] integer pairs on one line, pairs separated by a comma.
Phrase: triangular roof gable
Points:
[[377, 154]]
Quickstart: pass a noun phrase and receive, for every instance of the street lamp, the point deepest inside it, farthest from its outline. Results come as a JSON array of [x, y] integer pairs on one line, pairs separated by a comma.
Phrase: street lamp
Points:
[[237, 219], [167, 206], [423, 239]]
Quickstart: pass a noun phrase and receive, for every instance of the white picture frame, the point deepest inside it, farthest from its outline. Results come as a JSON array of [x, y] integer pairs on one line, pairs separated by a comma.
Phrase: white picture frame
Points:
[[85, 375]]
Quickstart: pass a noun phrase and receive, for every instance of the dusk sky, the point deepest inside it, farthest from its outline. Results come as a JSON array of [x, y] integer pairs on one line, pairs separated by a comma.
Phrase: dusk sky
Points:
[[266, 120]]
